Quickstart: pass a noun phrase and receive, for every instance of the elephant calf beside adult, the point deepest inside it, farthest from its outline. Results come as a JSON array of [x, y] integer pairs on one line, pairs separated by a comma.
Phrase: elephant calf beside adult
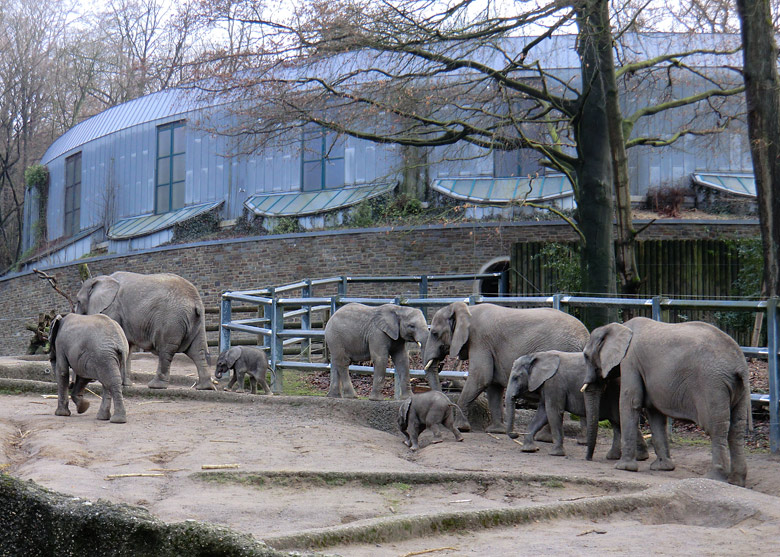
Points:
[[357, 332], [160, 312], [688, 371], [492, 337]]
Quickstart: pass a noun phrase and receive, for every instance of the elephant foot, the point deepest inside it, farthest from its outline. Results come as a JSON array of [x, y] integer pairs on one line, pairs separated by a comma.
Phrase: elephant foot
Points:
[[157, 383], [81, 406], [529, 447], [582, 438], [127, 383], [495, 428], [642, 454], [513, 434], [205, 385], [374, 396], [240, 391], [333, 394], [628, 465], [62, 412], [737, 479], [544, 435], [459, 438], [557, 451], [437, 440], [118, 419], [103, 416], [666, 464], [614, 454]]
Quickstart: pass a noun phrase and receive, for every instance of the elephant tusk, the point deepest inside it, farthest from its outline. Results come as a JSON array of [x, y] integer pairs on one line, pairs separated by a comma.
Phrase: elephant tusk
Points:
[[419, 344], [584, 386], [428, 365]]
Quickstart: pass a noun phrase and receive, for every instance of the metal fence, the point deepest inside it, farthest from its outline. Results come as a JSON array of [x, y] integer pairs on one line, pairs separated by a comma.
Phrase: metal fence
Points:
[[287, 320]]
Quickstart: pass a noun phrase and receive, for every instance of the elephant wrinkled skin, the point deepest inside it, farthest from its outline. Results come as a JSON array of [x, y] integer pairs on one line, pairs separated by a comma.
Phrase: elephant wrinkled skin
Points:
[[244, 360], [492, 337], [358, 332], [95, 347], [429, 410], [161, 312], [688, 371]]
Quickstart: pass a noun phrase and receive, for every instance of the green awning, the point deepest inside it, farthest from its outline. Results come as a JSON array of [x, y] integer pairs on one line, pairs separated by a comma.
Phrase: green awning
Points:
[[310, 202], [734, 183], [504, 190], [146, 224]]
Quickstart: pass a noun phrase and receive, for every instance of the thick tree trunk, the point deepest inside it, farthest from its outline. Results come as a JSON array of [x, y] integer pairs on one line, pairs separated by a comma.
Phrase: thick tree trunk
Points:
[[594, 172], [762, 92]]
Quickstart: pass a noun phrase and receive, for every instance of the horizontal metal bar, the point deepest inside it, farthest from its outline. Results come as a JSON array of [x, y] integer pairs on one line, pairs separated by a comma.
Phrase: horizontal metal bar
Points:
[[288, 287], [289, 364], [246, 298], [308, 333], [247, 329], [754, 352], [302, 301], [716, 304], [321, 282], [756, 397], [250, 321], [385, 279], [444, 278], [367, 301]]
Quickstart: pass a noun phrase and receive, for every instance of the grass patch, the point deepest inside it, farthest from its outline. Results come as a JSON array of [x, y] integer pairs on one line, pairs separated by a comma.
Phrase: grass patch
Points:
[[556, 484], [295, 384]]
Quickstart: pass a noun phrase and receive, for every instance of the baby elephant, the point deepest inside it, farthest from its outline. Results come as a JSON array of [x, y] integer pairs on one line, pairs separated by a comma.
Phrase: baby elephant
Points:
[[96, 348], [243, 360], [428, 410], [557, 377]]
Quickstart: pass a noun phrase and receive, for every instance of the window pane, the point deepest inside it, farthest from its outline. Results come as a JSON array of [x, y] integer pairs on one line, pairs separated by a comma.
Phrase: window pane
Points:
[[77, 196], [334, 146], [334, 173], [163, 201], [69, 167], [164, 171], [312, 176], [68, 229], [312, 148], [76, 221], [178, 168], [68, 200], [163, 142], [77, 168], [178, 139], [178, 195]]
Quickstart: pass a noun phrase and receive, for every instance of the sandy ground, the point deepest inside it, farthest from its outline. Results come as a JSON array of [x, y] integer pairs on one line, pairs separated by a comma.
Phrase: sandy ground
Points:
[[175, 438]]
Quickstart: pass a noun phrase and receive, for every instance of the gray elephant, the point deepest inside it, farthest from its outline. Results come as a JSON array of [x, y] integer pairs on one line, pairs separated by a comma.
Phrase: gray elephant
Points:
[[161, 312], [428, 410], [558, 377], [358, 332], [688, 371], [244, 360], [492, 337], [95, 347]]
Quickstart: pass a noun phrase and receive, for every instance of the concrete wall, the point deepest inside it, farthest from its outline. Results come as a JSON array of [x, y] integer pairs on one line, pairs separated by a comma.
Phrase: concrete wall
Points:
[[249, 263]]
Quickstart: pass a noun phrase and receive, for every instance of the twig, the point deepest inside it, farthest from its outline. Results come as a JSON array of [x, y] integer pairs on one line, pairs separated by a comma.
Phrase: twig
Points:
[[53, 284], [138, 475], [424, 551], [218, 466], [154, 402], [50, 396], [586, 532], [90, 391], [221, 441], [461, 501]]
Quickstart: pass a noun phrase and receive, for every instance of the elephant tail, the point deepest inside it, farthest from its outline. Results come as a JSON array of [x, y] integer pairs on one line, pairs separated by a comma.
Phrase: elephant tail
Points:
[[460, 411], [749, 403]]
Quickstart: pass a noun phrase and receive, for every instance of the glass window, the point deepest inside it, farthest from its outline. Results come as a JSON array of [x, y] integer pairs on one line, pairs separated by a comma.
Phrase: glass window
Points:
[[322, 159], [171, 170], [72, 215]]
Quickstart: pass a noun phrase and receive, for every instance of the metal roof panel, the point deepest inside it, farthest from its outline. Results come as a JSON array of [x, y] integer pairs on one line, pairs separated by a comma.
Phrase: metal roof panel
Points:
[[147, 224]]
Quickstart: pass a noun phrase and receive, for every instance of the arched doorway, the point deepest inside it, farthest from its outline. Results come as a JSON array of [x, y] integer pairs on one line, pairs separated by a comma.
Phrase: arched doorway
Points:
[[490, 286]]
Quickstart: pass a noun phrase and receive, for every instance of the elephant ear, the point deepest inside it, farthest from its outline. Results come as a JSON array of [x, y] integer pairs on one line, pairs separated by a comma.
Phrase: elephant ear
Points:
[[102, 294], [542, 367], [389, 321], [613, 346], [54, 330], [460, 330], [403, 414], [232, 355]]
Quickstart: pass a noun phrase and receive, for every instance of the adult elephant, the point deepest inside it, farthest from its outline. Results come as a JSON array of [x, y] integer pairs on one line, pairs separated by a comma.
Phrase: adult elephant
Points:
[[491, 338], [160, 312], [688, 371], [358, 332]]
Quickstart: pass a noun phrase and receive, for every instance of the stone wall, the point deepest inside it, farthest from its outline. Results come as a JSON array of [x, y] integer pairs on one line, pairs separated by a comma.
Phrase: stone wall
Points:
[[249, 263]]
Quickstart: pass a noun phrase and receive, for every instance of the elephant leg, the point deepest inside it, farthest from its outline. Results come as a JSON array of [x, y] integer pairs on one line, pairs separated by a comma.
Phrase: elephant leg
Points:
[[380, 369], [127, 379], [475, 384], [163, 377], [77, 394], [449, 423], [641, 446], [555, 419], [630, 405], [197, 353], [104, 412], [115, 391], [233, 379], [263, 383], [252, 384], [241, 376], [436, 430], [614, 452], [582, 436], [62, 372], [401, 363], [345, 383], [736, 440], [663, 460], [719, 438], [414, 434], [538, 422], [495, 396], [337, 366]]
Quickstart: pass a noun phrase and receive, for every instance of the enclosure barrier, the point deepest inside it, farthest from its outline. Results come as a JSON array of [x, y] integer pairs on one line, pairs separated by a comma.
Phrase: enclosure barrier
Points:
[[273, 302]]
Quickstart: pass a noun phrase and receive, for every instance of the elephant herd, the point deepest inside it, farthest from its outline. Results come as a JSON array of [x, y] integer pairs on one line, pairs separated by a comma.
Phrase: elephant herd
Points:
[[690, 371]]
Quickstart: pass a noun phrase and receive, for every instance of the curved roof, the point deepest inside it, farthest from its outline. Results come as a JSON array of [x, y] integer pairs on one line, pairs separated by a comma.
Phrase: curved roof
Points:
[[154, 106]]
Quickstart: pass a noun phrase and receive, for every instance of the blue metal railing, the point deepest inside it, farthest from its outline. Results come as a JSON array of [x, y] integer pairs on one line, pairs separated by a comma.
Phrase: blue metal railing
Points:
[[277, 308]]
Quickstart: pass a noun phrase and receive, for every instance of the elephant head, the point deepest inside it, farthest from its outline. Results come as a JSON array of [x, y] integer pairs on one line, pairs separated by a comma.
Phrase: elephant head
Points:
[[96, 295], [402, 322], [604, 351], [226, 361], [449, 334], [528, 374]]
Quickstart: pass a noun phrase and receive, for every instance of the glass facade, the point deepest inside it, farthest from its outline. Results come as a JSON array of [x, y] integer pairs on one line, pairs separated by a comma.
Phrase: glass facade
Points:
[[72, 195], [169, 190], [322, 159]]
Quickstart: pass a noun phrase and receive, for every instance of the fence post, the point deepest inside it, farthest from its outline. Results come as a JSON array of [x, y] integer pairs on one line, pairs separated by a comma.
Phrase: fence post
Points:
[[773, 343], [424, 294], [503, 283], [306, 319], [556, 304], [396, 377], [277, 343], [656, 308], [224, 319], [343, 286]]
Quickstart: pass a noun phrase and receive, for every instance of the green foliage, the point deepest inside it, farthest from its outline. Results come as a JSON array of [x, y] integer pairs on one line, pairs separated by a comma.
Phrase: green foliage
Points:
[[563, 263], [747, 284], [196, 227], [36, 176], [287, 225]]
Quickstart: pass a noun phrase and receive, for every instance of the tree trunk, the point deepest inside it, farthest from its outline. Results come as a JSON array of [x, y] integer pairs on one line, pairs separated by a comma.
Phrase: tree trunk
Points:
[[762, 92], [594, 172]]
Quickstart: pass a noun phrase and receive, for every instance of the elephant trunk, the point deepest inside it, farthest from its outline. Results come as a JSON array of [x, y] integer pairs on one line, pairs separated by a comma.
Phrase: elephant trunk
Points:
[[509, 409], [592, 404], [432, 375]]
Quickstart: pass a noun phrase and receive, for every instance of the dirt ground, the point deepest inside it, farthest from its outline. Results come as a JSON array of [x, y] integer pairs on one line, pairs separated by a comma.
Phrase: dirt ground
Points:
[[283, 445]]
